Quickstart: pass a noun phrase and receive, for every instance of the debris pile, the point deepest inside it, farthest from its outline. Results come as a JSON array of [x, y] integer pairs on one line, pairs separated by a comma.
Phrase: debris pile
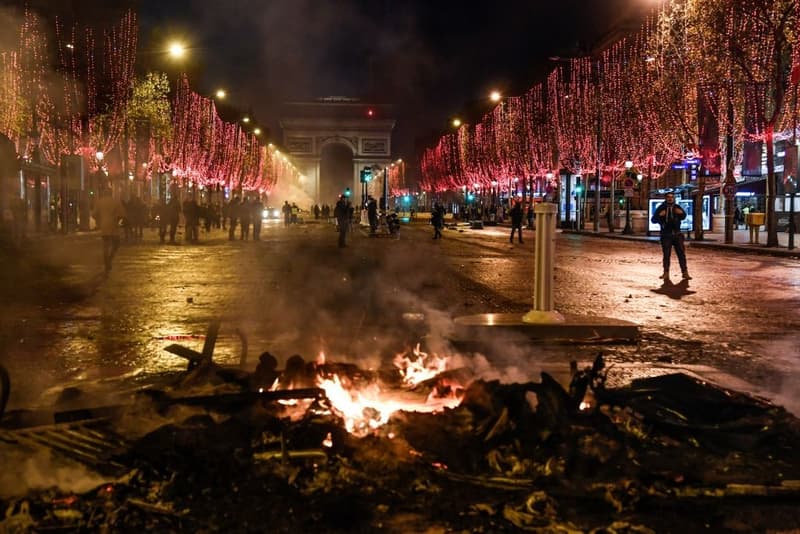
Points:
[[535, 456]]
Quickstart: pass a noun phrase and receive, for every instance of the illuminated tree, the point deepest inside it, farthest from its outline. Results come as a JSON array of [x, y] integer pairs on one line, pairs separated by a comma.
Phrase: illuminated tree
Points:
[[749, 43]]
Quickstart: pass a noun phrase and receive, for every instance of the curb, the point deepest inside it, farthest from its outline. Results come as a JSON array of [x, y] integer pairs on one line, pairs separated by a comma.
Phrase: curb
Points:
[[762, 250]]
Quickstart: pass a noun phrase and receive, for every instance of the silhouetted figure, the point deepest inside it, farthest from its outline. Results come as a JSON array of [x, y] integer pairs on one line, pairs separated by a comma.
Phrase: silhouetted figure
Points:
[[372, 215], [669, 215], [191, 216], [109, 212], [233, 213], [245, 215], [516, 221], [173, 217], [437, 220], [161, 215], [287, 213], [257, 210], [340, 213]]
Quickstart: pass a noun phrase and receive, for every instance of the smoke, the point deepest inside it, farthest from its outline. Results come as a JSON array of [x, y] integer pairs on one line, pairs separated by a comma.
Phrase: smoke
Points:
[[11, 19], [289, 192], [25, 471]]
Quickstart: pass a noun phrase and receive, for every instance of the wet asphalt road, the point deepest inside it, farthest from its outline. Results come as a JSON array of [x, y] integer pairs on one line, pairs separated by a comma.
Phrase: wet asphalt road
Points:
[[296, 292]]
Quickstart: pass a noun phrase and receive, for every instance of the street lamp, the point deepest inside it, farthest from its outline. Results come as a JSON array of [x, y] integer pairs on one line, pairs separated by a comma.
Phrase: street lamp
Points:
[[456, 123], [221, 94], [495, 96], [256, 131], [246, 120], [99, 155], [176, 50]]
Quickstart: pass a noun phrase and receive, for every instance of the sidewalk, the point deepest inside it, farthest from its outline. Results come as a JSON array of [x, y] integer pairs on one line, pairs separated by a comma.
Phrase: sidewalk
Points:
[[713, 240]]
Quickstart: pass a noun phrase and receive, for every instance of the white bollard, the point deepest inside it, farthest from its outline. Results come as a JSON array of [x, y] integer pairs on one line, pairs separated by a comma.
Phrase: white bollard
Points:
[[544, 259]]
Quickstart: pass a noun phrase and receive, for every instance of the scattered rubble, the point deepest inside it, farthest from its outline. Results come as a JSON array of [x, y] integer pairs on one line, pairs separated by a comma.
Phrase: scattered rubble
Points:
[[228, 454]]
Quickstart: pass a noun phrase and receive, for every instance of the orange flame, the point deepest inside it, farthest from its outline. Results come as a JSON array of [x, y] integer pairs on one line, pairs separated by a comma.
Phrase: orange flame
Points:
[[369, 407], [419, 368]]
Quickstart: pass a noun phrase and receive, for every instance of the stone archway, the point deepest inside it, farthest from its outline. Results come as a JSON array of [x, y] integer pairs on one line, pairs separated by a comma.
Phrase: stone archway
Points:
[[309, 128], [335, 171]]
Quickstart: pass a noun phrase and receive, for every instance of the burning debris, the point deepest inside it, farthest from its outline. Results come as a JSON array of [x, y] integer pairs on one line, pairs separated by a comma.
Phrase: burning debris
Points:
[[325, 446]]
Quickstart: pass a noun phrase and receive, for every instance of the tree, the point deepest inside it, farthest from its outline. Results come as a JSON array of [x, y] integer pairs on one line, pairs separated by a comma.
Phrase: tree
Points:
[[749, 43]]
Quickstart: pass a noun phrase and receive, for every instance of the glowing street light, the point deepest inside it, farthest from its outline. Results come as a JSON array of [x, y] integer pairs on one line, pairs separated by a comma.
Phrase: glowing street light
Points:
[[176, 50], [257, 131], [99, 155], [495, 96], [221, 94], [245, 120], [456, 123]]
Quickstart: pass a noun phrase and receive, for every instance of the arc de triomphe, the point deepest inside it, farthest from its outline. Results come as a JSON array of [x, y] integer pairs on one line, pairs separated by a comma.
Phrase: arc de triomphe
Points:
[[364, 129]]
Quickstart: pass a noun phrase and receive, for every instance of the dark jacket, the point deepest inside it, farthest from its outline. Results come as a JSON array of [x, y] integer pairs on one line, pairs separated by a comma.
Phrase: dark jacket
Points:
[[670, 221], [516, 215]]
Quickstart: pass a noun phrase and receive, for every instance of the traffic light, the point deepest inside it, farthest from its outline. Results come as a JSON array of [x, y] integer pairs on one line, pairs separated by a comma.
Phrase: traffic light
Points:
[[470, 197], [366, 175], [579, 189], [347, 192], [621, 202]]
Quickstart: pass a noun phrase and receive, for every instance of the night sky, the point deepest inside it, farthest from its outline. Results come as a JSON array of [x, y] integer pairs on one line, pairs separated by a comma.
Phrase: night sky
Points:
[[429, 58]]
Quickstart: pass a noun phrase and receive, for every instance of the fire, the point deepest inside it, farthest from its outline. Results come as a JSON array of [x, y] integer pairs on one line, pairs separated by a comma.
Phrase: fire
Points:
[[369, 407], [421, 367]]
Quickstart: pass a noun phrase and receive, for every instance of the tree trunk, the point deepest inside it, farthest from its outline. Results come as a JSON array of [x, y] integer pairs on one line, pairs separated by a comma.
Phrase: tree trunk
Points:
[[772, 220]]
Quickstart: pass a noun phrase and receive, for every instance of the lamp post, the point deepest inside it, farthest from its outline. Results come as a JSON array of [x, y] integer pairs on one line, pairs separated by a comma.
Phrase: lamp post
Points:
[[566, 175], [36, 157], [628, 230], [791, 186]]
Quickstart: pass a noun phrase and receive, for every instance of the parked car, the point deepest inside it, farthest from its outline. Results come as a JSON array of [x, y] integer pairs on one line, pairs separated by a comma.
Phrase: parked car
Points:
[[270, 213]]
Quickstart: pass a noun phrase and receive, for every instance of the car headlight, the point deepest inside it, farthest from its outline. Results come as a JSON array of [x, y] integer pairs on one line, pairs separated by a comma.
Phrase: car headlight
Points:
[[276, 213], [265, 214]]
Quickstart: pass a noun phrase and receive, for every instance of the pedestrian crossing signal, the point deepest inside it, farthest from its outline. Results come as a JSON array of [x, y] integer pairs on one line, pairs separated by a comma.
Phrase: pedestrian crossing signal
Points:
[[347, 192]]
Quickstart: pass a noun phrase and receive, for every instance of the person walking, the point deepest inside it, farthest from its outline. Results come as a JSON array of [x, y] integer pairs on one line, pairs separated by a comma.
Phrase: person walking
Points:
[[173, 217], [516, 221], [287, 213], [161, 216], [257, 209], [244, 217], [342, 216], [372, 215], [109, 212], [233, 214], [669, 216], [437, 220]]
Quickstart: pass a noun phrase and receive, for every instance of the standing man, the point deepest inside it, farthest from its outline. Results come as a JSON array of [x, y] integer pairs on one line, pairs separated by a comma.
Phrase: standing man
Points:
[[669, 215], [437, 220], [233, 214], [342, 216], [516, 221], [287, 213], [109, 212], [372, 215], [258, 212], [174, 216]]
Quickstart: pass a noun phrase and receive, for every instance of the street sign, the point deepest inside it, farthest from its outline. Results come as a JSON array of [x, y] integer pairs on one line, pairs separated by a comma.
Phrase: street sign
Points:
[[729, 191], [628, 183]]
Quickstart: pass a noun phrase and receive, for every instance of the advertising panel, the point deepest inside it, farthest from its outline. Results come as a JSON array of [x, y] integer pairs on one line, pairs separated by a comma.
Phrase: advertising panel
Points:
[[686, 204]]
